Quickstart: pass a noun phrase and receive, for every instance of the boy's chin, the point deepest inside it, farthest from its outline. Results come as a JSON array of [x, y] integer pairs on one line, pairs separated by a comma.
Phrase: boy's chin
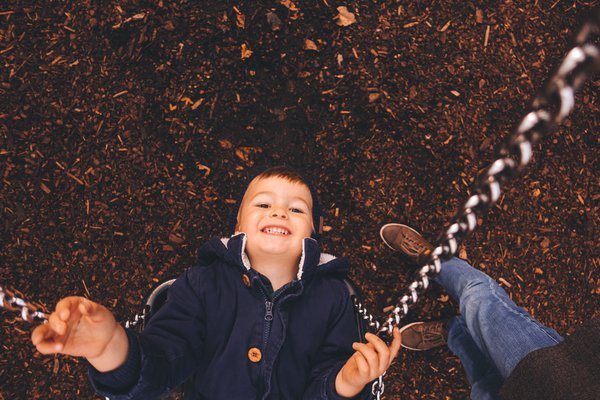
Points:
[[273, 249]]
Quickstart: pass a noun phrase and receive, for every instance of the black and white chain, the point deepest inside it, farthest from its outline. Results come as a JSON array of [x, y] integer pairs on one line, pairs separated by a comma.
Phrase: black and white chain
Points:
[[29, 311]]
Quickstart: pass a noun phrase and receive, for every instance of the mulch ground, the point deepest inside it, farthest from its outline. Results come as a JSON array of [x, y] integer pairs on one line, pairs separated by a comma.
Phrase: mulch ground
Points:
[[127, 128]]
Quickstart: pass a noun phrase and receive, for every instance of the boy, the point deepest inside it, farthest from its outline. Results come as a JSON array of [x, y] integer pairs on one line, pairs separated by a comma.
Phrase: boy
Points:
[[264, 315]]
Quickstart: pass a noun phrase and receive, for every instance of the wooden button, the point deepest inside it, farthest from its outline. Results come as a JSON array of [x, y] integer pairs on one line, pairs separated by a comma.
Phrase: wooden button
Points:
[[246, 280], [254, 354]]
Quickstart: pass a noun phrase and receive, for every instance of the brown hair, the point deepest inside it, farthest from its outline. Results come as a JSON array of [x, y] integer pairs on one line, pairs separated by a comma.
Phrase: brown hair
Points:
[[284, 172]]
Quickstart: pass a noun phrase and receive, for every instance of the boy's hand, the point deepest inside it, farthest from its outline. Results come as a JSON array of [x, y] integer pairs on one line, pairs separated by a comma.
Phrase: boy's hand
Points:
[[80, 327], [367, 364]]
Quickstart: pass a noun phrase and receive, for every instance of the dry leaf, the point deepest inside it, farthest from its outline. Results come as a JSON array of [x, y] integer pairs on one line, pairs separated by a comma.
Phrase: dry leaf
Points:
[[310, 45], [294, 11], [289, 5], [246, 52], [345, 17]]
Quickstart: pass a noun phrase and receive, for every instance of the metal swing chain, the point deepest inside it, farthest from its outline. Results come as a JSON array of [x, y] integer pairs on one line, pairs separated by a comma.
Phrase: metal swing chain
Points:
[[549, 109], [29, 311]]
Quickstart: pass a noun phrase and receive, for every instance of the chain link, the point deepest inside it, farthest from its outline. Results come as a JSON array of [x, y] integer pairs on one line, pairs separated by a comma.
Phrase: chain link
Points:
[[29, 311]]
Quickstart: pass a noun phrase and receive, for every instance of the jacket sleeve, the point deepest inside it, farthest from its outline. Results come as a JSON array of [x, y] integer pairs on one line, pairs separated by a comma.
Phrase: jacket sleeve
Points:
[[335, 350], [166, 353]]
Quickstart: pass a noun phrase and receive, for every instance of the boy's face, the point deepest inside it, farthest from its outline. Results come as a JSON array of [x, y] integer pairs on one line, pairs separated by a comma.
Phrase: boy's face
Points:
[[275, 215]]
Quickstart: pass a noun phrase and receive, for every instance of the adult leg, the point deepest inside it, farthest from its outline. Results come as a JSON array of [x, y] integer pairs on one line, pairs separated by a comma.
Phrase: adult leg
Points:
[[502, 331], [484, 378]]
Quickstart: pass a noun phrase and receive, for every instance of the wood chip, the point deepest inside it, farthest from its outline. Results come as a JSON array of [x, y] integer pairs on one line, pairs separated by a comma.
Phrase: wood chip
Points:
[[121, 93], [76, 179], [45, 188], [479, 16], [505, 282], [487, 36], [445, 27]]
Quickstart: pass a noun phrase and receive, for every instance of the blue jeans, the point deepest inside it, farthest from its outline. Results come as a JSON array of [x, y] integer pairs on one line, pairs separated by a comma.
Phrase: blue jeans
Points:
[[492, 334]]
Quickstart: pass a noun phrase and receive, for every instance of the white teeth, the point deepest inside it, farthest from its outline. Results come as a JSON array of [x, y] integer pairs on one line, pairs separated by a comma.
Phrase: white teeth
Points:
[[277, 231]]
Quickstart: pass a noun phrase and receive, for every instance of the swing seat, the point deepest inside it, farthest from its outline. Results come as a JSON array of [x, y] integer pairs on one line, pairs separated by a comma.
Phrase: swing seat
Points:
[[158, 296]]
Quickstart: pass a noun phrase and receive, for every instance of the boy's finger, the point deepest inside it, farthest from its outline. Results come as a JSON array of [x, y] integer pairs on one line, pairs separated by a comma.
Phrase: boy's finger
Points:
[[49, 347], [370, 355], [42, 338], [57, 324], [382, 350], [93, 311], [361, 364], [39, 334], [86, 308], [66, 306]]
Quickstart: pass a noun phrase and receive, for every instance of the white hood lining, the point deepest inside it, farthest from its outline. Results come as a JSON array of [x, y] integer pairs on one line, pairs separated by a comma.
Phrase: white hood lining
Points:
[[323, 259]]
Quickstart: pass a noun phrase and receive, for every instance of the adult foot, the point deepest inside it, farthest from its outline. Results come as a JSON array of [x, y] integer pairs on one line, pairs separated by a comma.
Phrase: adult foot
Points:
[[421, 336], [403, 238]]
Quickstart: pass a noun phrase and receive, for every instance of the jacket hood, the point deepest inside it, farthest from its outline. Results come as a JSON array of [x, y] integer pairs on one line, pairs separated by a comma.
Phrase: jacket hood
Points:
[[312, 261]]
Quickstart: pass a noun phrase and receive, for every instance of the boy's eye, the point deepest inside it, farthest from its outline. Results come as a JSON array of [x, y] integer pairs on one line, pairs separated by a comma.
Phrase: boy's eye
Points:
[[296, 210], [262, 205]]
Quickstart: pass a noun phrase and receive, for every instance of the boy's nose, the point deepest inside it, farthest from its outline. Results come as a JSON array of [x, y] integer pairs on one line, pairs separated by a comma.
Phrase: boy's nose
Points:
[[279, 213]]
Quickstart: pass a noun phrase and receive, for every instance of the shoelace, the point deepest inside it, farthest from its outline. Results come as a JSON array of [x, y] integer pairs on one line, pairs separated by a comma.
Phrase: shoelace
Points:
[[433, 333], [414, 246]]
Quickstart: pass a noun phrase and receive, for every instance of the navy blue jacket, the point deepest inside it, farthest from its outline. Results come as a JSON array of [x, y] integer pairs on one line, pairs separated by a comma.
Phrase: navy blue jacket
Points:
[[219, 313]]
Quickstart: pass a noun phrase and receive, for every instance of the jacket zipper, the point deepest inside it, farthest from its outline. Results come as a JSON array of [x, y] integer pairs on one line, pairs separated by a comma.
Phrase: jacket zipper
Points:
[[269, 304], [268, 322]]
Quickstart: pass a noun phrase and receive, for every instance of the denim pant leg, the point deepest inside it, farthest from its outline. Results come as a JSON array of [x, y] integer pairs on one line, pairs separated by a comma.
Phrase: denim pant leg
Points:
[[503, 332], [484, 378]]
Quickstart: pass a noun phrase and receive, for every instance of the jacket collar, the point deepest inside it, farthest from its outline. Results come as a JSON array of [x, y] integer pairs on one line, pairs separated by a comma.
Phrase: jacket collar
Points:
[[312, 261]]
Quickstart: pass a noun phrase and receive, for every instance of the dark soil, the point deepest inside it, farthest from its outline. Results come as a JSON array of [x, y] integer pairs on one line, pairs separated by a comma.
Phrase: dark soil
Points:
[[127, 128]]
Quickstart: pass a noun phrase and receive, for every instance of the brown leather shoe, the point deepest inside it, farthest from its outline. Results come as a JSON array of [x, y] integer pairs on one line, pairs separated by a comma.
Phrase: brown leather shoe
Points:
[[421, 336], [403, 238]]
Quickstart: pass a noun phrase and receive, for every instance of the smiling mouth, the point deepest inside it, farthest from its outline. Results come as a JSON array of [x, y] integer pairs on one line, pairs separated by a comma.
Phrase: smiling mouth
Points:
[[276, 231]]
